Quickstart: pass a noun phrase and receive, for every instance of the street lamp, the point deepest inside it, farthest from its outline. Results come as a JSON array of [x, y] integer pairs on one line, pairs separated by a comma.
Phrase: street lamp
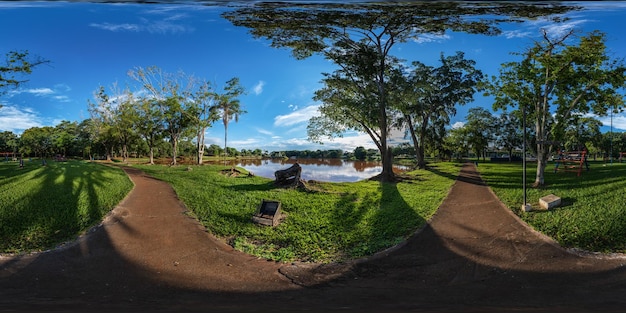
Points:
[[525, 206], [611, 138]]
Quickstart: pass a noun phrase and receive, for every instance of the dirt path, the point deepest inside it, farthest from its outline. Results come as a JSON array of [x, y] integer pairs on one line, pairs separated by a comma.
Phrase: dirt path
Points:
[[474, 255]]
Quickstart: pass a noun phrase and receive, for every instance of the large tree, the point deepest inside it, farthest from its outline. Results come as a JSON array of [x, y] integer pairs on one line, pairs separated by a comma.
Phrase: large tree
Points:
[[480, 129], [351, 100], [9, 142], [117, 113], [370, 31], [581, 132], [66, 137], [227, 105], [557, 79], [38, 141], [173, 93], [430, 97], [204, 116], [149, 123], [509, 135], [101, 116]]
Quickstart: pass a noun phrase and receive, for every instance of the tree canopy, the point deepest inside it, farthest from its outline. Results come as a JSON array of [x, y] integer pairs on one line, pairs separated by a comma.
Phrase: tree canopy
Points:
[[358, 38], [558, 79], [15, 66]]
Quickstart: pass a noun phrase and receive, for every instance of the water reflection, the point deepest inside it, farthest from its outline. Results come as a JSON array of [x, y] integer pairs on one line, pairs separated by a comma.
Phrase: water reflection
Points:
[[329, 170]]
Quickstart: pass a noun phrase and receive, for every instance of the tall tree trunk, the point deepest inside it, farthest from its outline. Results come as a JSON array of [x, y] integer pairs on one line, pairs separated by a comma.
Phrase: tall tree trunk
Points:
[[201, 145], [225, 139], [174, 149], [124, 153], [151, 155], [387, 174], [419, 149], [542, 161]]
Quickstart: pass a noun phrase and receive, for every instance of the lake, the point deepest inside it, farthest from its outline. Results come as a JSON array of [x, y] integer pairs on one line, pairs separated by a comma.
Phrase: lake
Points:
[[328, 170]]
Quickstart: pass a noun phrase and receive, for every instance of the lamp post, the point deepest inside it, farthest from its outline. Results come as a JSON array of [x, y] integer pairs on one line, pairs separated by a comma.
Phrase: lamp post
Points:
[[525, 206], [611, 156]]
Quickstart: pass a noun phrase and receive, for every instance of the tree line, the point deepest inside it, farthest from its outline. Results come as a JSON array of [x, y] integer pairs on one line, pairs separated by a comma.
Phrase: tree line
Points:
[[485, 132], [554, 85]]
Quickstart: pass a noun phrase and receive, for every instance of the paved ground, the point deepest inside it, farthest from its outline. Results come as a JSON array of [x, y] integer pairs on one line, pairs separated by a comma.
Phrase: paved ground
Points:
[[473, 256]]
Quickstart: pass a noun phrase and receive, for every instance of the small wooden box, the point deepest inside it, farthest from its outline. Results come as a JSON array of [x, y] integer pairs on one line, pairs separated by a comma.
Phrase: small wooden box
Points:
[[268, 213]]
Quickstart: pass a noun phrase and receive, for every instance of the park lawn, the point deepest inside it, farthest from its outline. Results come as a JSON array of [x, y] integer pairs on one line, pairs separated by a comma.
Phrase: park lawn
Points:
[[43, 206], [329, 222], [592, 216]]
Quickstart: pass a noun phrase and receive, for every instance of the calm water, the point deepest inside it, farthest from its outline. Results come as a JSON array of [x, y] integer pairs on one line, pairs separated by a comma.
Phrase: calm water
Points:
[[329, 170]]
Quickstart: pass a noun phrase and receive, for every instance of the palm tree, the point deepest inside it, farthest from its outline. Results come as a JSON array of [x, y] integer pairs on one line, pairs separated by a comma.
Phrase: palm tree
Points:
[[228, 106]]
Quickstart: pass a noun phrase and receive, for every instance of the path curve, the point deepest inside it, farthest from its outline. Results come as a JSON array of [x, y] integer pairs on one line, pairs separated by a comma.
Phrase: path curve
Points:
[[474, 255]]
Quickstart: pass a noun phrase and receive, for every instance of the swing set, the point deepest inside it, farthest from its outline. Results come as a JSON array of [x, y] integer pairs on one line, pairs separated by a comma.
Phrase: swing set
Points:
[[7, 155], [571, 161]]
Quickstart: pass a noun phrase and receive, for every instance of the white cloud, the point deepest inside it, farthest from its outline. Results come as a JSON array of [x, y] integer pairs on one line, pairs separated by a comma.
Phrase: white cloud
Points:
[[619, 122], [297, 117], [167, 25], [245, 143], [258, 88], [559, 30], [33, 91], [24, 4], [61, 98], [16, 120], [157, 27], [53, 93], [430, 37], [458, 125], [533, 28], [116, 27], [517, 33], [264, 131]]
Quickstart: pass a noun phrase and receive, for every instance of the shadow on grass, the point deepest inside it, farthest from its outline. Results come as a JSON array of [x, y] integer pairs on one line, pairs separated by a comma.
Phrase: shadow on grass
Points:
[[382, 225], [472, 176], [253, 187], [61, 202]]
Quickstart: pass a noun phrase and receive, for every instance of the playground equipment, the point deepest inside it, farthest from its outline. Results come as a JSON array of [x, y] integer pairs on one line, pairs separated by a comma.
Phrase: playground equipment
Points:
[[571, 161]]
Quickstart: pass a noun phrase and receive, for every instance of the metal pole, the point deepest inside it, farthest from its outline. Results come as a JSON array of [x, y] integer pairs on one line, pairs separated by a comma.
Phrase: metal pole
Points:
[[611, 156], [524, 153]]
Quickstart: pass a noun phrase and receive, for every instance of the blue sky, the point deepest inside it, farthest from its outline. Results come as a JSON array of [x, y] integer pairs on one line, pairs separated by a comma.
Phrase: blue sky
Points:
[[92, 44]]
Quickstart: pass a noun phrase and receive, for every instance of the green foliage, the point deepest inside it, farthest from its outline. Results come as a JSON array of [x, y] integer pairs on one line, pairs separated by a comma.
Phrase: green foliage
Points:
[[9, 142], [332, 222], [557, 81], [15, 65], [592, 213], [480, 128], [228, 107], [42, 206], [429, 98], [359, 39]]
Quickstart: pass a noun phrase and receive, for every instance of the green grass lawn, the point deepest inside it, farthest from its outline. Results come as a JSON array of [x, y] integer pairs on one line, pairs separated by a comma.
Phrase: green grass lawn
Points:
[[330, 222], [42, 206], [593, 213]]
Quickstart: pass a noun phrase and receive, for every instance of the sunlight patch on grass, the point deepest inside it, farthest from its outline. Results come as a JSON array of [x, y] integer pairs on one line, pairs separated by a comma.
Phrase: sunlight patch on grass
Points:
[[591, 216], [330, 222]]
